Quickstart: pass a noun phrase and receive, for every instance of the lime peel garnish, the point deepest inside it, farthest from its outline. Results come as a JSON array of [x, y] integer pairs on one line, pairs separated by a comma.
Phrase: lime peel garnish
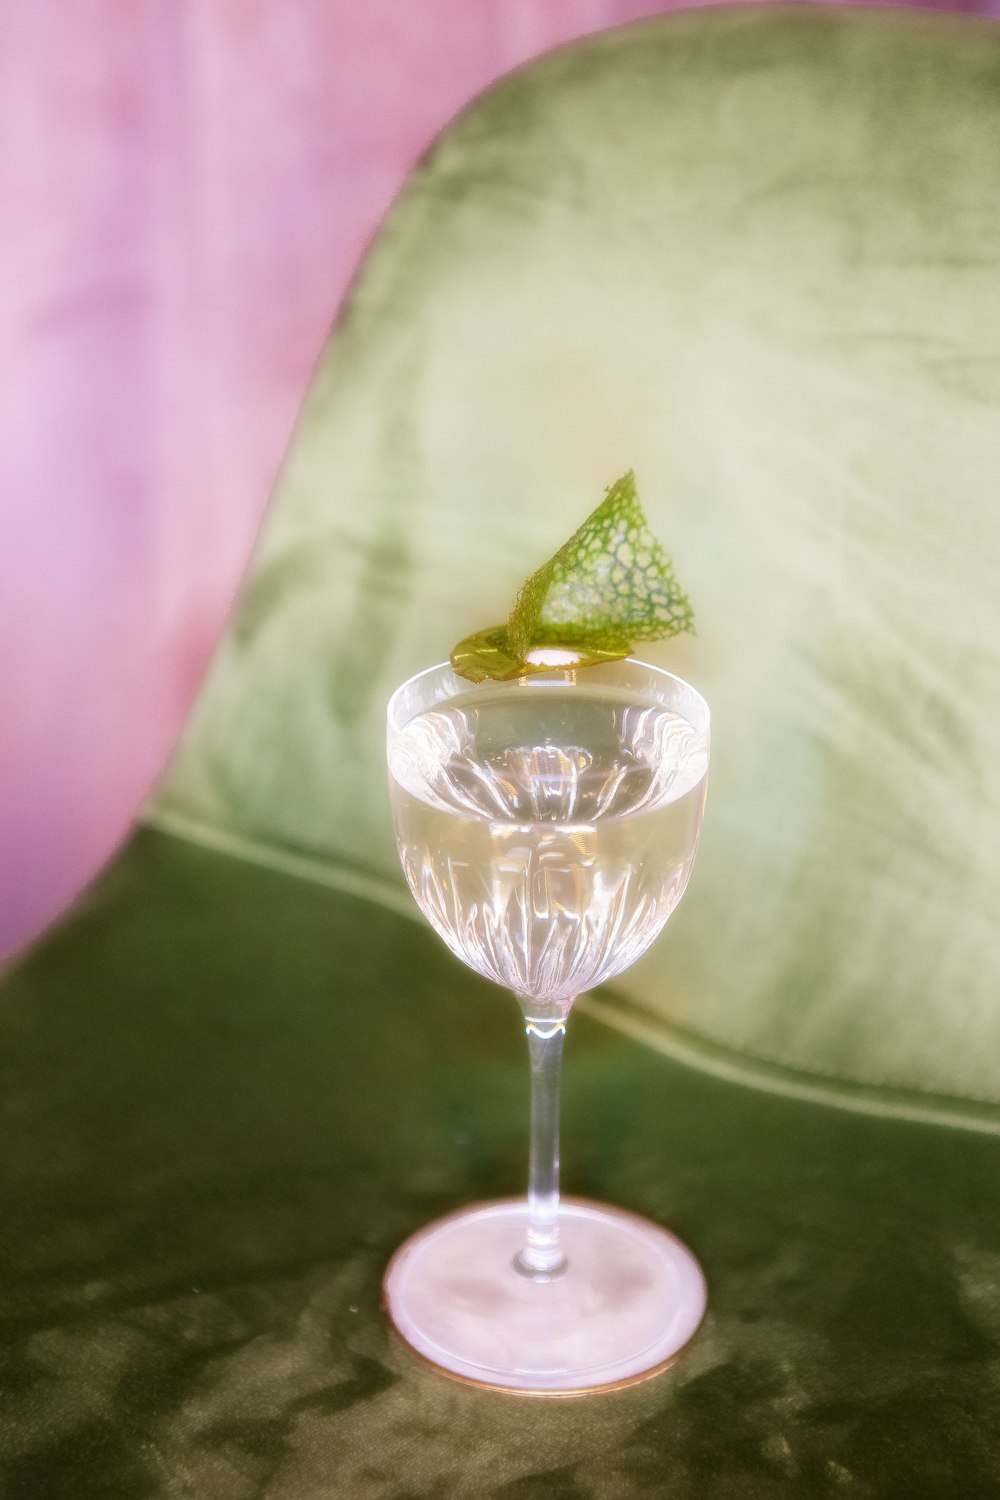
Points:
[[609, 586]]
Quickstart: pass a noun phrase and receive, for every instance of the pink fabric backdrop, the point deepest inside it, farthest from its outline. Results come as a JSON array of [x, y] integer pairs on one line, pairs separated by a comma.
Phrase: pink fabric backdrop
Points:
[[187, 187]]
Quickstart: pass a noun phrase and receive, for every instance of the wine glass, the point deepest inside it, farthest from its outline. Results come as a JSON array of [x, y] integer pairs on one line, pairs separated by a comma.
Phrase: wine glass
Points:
[[547, 827]]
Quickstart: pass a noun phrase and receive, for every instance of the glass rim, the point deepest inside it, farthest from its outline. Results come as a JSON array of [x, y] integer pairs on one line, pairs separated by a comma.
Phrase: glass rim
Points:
[[555, 677]]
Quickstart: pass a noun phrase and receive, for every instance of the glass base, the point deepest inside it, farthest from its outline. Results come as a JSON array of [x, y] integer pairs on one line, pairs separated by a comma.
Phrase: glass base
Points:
[[631, 1297]]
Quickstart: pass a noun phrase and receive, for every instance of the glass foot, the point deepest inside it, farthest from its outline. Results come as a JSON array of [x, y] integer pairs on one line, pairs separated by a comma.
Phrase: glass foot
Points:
[[629, 1300]]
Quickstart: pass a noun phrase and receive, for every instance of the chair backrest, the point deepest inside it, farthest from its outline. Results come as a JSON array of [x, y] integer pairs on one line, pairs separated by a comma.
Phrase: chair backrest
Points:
[[754, 254]]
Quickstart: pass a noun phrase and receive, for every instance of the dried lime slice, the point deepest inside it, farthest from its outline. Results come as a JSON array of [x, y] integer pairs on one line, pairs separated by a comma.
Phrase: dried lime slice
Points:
[[609, 586]]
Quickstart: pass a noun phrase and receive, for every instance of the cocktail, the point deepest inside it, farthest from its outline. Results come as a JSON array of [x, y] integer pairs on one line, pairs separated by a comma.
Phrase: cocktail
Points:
[[547, 825]]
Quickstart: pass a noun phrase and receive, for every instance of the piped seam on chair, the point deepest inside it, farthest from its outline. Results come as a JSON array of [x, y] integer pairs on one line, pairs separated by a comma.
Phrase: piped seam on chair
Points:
[[808, 1085], [750, 1069]]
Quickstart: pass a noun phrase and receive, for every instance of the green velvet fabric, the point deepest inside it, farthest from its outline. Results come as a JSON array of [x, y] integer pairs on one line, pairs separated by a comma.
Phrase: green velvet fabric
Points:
[[227, 1096], [753, 253]]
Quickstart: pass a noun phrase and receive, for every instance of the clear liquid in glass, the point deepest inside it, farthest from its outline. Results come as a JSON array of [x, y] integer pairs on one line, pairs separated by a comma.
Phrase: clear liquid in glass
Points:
[[547, 831]]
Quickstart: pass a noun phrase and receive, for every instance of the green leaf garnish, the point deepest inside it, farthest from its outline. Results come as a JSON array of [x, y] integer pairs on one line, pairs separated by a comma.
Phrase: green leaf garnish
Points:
[[609, 586]]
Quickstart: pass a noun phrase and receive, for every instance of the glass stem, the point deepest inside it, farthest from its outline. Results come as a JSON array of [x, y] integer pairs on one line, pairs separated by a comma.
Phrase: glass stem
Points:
[[542, 1256]]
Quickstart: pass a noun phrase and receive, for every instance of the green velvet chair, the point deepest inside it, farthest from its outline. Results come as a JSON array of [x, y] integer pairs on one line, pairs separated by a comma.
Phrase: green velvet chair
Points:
[[756, 254]]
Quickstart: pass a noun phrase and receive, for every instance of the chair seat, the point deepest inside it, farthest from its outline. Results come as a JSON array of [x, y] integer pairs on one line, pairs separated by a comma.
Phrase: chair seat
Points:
[[228, 1094]]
